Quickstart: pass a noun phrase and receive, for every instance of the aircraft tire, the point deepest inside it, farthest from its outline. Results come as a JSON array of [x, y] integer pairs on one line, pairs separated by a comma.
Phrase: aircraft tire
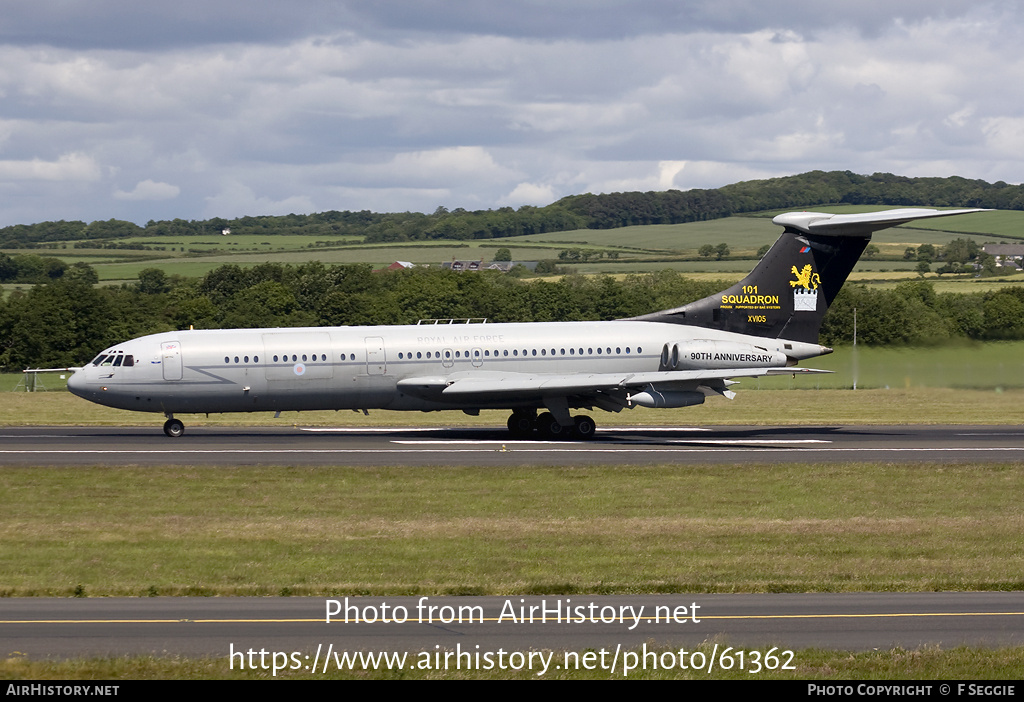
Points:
[[520, 426], [584, 427], [549, 428], [174, 428]]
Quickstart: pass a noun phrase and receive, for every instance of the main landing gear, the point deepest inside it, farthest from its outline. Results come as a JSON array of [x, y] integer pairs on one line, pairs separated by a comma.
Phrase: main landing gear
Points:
[[173, 427], [522, 425]]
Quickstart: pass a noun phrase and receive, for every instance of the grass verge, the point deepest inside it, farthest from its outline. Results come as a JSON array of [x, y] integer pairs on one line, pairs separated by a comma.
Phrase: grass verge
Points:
[[530, 530], [930, 663]]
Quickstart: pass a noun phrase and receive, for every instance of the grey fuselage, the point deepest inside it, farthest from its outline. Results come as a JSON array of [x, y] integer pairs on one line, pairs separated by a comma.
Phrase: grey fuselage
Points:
[[360, 368]]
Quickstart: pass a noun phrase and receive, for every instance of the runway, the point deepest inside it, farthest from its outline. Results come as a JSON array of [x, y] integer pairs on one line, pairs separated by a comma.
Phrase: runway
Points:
[[484, 446], [44, 627], [211, 626]]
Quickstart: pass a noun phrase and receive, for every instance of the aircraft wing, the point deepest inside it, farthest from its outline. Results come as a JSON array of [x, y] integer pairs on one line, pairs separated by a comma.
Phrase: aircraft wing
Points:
[[470, 386]]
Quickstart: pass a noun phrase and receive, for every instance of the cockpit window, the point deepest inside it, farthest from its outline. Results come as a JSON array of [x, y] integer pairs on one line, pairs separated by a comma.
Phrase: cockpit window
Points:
[[114, 359]]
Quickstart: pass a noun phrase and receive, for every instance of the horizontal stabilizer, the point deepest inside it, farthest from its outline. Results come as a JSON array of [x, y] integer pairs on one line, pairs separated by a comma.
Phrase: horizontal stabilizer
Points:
[[858, 224]]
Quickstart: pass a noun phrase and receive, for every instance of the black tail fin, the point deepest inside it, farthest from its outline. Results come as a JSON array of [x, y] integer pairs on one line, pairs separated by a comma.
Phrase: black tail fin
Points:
[[790, 290]]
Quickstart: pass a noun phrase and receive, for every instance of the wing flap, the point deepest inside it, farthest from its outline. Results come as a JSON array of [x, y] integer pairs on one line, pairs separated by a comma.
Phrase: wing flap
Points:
[[463, 386]]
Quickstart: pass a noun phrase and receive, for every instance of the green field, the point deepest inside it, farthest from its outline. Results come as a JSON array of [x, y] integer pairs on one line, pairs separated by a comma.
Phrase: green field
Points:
[[331, 531], [640, 248]]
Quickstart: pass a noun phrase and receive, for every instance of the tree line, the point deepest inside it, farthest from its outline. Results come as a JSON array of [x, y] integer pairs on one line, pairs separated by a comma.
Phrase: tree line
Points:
[[604, 211], [68, 320]]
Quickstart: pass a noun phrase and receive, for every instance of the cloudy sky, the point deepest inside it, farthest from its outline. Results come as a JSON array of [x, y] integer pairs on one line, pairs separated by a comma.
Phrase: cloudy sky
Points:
[[222, 108]]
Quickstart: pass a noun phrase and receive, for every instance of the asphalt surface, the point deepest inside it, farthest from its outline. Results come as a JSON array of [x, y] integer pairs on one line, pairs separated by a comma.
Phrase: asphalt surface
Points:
[[58, 628], [482, 446]]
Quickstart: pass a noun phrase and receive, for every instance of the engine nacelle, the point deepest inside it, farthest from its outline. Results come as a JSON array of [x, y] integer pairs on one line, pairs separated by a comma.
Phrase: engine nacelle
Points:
[[714, 355]]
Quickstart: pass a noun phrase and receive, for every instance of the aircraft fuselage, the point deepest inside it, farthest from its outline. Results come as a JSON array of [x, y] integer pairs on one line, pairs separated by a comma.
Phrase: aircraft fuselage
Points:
[[334, 368]]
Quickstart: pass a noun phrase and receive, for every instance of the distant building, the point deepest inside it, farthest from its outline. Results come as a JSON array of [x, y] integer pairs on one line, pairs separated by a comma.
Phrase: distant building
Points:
[[461, 266], [400, 265], [1006, 255]]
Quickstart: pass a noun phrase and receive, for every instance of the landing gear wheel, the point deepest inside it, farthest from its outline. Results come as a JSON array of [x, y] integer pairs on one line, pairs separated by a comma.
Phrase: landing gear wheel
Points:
[[520, 426], [174, 428], [585, 427], [549, 428]]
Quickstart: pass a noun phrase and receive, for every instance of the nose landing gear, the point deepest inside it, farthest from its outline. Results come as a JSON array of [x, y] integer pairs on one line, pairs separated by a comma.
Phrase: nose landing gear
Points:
[[173, 427]]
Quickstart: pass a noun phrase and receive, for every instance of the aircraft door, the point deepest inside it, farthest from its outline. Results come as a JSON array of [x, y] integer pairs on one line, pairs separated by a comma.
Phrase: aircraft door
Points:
[[448, 359], [170, 359], [376, 359], [478, 358]]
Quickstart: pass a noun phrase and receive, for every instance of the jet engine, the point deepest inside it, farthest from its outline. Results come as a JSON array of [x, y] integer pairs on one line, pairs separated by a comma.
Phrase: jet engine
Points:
[[716, 355]]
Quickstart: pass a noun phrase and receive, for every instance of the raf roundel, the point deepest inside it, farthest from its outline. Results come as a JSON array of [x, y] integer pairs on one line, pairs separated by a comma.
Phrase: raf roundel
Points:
[[299, 368]]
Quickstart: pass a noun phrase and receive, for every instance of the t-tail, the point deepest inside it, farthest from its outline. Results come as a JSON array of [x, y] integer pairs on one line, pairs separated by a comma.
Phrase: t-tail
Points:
[[789, 291]]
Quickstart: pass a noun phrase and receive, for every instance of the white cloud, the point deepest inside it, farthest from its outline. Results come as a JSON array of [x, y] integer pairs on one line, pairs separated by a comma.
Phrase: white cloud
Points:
[[238, 200], [149, 190], [369, 108], [69, 167], [530, 194]]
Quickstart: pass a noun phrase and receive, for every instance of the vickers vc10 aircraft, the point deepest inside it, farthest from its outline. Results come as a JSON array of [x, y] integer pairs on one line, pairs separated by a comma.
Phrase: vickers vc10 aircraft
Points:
[[761, 326]]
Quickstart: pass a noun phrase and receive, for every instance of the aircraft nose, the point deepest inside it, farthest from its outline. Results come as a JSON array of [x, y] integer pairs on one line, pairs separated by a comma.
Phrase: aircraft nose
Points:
[[76, 383]]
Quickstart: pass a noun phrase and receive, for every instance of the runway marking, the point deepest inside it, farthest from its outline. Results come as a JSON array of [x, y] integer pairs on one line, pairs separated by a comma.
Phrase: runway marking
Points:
[[992, 433], [590, 448], [397, 430], [750, 441], [432, 442], [371, 430], [439, 620]]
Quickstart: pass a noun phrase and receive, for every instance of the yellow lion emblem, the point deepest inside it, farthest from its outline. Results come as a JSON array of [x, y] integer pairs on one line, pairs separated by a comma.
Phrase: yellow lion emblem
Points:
[[805, 279]]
